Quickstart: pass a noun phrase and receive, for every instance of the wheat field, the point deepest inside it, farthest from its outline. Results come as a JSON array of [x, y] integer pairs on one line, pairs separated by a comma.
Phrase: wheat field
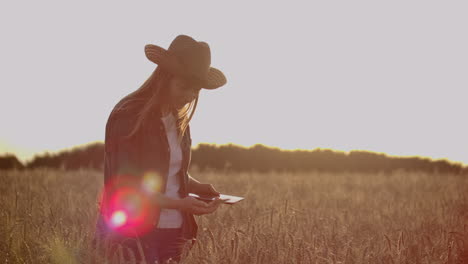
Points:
[[48, 216]]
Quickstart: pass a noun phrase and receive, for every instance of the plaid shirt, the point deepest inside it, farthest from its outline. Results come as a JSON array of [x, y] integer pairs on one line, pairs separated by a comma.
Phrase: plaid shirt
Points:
[[147, 151]]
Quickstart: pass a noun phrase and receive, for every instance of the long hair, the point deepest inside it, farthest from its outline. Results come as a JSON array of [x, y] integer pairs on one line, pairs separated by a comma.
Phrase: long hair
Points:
[[154, 94]]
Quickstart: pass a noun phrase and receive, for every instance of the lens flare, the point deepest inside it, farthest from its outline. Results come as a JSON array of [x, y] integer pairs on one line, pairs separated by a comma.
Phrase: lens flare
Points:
[[151, 182], [118, 218], [127, 205]]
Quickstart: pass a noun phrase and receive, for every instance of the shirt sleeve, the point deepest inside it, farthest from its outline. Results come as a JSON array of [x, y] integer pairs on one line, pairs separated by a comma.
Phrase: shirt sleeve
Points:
[[119, 156]]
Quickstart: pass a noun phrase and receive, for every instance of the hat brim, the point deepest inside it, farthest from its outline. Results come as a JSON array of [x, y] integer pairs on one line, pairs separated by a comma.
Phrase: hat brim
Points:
[[162, 57]]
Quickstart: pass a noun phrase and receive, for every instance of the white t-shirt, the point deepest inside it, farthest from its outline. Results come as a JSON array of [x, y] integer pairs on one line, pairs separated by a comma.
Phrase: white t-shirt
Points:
[[172, 218]]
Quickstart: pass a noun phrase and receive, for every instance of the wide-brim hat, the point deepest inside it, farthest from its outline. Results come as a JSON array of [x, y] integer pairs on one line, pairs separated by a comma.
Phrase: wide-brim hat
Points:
[[187, 58]]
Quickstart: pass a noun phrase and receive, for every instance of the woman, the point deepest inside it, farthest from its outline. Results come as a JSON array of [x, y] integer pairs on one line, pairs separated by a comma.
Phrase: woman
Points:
[[145, 210]]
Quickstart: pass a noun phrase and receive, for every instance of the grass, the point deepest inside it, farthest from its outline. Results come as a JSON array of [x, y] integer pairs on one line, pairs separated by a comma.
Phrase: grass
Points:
[[48, 216]]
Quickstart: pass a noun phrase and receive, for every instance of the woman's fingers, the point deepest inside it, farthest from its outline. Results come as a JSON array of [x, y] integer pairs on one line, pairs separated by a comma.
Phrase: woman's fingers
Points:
[[199, 203], [213, 190], [215, 203], [198, 207], [201, 210], [209, 207], [208, 189]]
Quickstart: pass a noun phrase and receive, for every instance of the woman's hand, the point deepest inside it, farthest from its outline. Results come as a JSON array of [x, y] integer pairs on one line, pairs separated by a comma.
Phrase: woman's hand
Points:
[[206, 189], [197, 207]]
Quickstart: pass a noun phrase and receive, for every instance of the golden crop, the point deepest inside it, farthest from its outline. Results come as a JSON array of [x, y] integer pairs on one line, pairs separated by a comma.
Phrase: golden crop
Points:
[[48, 216]]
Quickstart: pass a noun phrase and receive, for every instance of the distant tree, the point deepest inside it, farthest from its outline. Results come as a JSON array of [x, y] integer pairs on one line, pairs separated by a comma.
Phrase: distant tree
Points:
[[9, 161], [262, 158], [88, 156]]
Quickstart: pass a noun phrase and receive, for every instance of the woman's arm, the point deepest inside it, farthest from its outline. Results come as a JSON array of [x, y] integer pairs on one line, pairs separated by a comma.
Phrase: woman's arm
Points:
[[166, 202], [188, 204], [192, 184]]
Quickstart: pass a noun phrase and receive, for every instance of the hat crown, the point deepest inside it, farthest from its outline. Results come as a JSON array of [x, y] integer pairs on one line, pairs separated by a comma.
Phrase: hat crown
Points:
[[188, 58], [194, 55]]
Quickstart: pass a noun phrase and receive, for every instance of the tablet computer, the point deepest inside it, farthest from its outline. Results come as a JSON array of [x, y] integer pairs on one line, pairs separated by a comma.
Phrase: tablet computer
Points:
[[230, 199]]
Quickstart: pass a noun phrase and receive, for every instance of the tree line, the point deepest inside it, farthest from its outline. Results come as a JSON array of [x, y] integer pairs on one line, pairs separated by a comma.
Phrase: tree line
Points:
[[255, 158]]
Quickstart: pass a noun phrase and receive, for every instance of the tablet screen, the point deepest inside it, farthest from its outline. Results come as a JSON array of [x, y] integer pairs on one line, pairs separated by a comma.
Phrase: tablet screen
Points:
[[230, 199]]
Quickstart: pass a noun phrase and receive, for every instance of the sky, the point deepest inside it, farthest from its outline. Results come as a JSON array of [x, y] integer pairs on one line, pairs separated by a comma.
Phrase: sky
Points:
[[384, 76]]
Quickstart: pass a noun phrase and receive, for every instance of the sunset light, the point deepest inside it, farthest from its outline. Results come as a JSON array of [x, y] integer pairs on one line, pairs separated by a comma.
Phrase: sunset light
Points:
[[132, 211], [234, 132], [372, 84], [151, 182], [118, 218]]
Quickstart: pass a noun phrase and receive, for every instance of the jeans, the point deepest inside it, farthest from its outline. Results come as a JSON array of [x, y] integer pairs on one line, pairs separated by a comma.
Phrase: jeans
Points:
[[162, 244], [158, 245]]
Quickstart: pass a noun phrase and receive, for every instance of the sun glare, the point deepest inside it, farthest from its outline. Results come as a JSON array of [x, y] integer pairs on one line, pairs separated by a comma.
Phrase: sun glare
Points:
[[119, 218], [151, 182]]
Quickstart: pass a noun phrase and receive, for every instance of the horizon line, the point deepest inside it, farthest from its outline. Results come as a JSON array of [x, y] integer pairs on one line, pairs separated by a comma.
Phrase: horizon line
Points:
[[247, 147]]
